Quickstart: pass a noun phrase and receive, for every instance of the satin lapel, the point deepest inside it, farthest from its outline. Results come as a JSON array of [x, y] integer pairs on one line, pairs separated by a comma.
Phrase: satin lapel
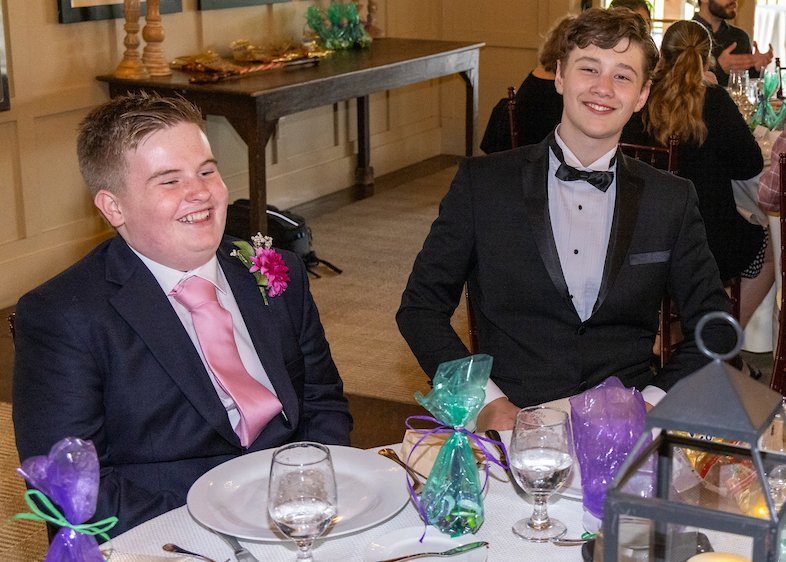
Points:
[[626, 211], [262, 322], [159, 327], [536, 207]]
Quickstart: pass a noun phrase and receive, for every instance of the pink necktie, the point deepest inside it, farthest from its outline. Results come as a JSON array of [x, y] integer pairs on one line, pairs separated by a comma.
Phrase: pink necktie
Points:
[[213, 326]]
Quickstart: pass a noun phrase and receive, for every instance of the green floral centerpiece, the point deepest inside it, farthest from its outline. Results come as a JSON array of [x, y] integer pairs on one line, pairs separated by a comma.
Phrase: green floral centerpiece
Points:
[[765, 115], [338, 27]]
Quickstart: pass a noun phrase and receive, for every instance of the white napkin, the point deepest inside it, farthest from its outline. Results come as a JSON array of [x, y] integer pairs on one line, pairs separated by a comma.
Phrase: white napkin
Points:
[[127, 557]]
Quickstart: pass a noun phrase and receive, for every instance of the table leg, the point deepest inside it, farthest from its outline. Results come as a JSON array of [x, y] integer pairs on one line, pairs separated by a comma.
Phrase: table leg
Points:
[[471, 113], [256, 139], [364, 173]]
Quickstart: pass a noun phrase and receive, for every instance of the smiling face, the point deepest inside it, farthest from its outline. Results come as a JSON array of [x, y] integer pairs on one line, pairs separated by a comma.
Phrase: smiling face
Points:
[[172, 208], [601, 89]]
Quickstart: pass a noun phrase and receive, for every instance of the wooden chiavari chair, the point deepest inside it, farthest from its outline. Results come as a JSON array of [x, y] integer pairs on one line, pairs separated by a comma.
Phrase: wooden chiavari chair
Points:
[[778, 380]]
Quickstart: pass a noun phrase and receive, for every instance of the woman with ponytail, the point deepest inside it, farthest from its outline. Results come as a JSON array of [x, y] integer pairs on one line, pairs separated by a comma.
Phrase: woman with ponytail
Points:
[[715, 147]]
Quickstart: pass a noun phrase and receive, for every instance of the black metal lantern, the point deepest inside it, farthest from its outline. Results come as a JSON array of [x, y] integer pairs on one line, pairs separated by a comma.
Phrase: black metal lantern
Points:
[[697, 478]]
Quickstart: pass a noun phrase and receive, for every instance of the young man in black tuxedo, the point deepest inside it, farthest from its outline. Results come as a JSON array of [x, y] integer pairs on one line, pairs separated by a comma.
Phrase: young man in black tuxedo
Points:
[[567, 268]]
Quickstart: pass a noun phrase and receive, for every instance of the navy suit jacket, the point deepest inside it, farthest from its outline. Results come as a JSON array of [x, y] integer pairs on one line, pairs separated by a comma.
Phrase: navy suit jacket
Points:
[[494, 233], [102, 355]]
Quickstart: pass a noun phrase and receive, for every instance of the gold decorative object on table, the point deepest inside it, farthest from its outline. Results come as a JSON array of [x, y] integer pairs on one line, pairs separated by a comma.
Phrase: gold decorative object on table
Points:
[[153, 34], [246, 59], [131, 66]]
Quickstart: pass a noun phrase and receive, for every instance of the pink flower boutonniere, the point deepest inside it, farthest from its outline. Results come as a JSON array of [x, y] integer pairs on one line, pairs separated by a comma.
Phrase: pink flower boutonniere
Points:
[[265, 263]]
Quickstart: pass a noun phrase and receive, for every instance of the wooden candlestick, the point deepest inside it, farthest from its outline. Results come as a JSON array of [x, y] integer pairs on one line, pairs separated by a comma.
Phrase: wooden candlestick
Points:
[[131, 66], [371, 17], [153, 34]]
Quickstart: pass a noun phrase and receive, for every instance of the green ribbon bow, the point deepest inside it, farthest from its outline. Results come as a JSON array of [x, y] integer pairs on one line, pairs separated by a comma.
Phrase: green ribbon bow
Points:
[[53, 515]]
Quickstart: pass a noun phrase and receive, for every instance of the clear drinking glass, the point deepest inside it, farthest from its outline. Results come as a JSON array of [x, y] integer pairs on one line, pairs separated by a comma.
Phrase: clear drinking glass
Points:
[[302, 493], [541, 457]]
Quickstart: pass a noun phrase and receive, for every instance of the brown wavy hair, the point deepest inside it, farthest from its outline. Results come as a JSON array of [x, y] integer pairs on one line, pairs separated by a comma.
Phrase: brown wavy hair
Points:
[[676, 102], [606, 29], [555, 45]]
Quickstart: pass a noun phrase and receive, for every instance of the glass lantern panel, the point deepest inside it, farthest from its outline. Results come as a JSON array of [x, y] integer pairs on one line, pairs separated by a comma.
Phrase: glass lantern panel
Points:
[[717, 481], [643, 540]]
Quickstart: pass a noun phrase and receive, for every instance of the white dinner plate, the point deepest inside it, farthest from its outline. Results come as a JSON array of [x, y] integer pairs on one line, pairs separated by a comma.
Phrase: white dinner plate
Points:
[[232, 497], [571, 488], [406, 541]]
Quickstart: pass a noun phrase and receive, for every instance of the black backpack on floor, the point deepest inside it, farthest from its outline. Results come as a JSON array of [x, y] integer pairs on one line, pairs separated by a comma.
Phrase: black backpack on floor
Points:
[[288, 231]]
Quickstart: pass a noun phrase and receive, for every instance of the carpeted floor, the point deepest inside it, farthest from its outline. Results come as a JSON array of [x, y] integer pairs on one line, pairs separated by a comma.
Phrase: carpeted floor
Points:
[[375, 242]]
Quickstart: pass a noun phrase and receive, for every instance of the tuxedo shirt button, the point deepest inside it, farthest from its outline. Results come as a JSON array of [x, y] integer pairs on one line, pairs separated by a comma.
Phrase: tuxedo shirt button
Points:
[[582, 330], [582, 386]]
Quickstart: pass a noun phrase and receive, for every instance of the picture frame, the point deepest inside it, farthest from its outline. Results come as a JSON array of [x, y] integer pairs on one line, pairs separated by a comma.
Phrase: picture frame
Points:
[[75, 11], [220, 4]]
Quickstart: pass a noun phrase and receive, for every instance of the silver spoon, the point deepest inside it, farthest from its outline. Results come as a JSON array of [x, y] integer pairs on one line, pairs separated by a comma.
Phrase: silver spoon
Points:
[[169, 547], [417, 483], [452, 552]]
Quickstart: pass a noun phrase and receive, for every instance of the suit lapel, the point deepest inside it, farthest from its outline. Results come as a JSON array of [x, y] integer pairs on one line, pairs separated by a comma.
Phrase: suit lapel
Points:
[[262, 322], [160, 329], [536, 207], [626, 209]]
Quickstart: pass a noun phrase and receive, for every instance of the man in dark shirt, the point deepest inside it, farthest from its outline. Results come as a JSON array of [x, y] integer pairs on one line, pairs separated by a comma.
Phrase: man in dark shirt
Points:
[[731, 45]]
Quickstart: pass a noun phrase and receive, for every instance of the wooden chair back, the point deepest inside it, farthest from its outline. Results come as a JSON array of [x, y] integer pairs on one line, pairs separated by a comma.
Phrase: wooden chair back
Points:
[[664, 158], [778, 380], [513, 123], [513, 126]]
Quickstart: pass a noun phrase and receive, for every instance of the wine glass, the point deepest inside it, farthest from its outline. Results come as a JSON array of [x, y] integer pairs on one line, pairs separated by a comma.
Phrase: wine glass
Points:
[[541, 456], [302, 493]]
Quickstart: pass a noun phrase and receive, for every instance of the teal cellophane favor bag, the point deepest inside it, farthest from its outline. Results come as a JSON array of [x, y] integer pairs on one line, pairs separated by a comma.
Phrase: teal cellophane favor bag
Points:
[[452, 498]]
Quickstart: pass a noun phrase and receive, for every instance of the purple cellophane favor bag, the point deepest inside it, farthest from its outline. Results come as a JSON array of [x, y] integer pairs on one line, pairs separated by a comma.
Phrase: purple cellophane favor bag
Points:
[[606, 421], [69, 477]]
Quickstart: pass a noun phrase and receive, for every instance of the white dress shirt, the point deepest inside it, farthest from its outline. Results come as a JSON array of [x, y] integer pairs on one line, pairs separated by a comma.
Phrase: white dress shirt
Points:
[[168, 278], [581, 218]]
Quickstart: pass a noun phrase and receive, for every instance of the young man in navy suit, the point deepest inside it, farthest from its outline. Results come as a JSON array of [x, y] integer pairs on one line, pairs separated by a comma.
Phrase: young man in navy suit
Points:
[[567, 268], [105, 352]]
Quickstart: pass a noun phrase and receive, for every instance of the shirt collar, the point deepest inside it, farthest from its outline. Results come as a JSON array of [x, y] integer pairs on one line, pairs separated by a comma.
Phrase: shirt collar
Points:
[[168, 278], [602, 164]]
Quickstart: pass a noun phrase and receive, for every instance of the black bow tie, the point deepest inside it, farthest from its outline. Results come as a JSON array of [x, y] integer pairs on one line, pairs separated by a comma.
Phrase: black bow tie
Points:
[[601, 180]]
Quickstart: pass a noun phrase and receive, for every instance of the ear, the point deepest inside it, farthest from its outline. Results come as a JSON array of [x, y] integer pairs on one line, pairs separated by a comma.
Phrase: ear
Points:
[[558, 78], [643, 95], [109, 205]]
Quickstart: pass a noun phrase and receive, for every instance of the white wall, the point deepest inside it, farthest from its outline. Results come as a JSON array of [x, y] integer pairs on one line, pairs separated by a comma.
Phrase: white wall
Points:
[[47, 220]]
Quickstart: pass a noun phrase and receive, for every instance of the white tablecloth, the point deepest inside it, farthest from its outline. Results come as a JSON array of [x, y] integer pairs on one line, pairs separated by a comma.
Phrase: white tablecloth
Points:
[[503, 507]]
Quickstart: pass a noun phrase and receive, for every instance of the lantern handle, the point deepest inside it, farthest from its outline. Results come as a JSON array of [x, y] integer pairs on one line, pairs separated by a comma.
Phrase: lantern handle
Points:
[[719, 315]]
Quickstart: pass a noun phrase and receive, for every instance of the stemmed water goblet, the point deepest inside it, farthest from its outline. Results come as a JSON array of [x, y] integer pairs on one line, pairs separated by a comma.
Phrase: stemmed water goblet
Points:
[[541, 457], [302, 493]]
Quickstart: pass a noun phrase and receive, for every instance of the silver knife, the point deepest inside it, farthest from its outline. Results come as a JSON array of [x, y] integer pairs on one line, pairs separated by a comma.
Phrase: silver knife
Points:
[[241, 554], [494, 435]]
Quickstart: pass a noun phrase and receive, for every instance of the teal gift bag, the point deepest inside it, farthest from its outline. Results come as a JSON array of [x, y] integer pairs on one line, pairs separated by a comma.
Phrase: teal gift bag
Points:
[[452, 498]]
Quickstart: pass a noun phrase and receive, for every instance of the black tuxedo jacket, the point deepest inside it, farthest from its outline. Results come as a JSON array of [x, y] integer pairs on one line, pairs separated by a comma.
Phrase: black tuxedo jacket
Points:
[[494, 233], [102, 355]]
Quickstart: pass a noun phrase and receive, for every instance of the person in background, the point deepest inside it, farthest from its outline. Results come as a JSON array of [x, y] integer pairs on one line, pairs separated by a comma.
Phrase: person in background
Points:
[[120, 349], [567, 247], [538, 105], [770, 180], [641, 7], [716, 146], [731, 46]]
